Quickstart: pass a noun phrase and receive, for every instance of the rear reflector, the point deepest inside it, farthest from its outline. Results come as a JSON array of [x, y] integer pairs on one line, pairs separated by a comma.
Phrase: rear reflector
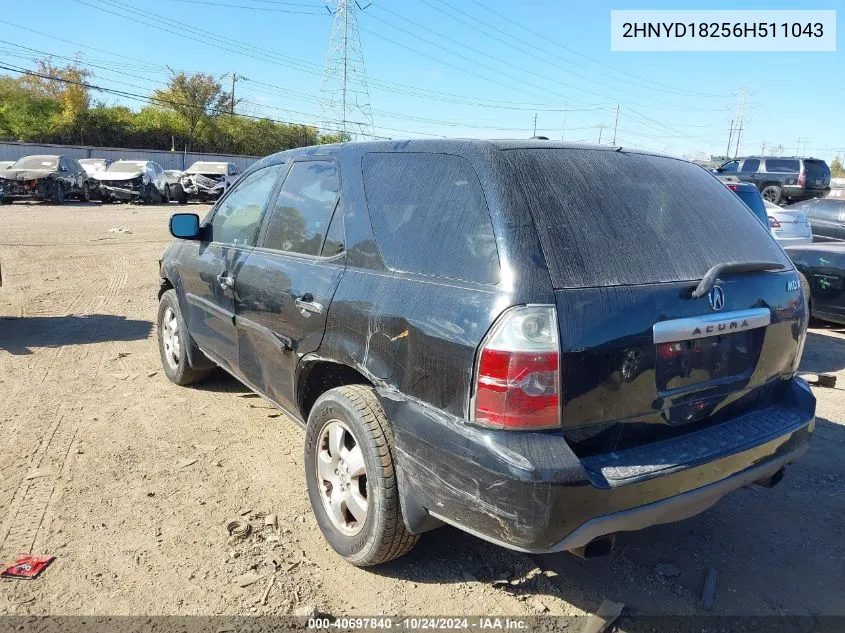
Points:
[[517, 376], [802, 179]]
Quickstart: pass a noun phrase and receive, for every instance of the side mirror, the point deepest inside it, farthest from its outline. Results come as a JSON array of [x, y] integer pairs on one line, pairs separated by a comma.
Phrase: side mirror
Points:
[[185, 226]]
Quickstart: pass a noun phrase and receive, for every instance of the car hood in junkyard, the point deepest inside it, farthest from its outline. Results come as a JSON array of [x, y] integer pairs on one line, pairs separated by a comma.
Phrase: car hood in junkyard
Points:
[[113, 176], [26, 174]]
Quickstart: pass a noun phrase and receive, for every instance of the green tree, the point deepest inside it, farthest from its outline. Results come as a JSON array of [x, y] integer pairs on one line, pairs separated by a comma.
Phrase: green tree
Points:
[[836, 169], [68, 89], [198, 99]]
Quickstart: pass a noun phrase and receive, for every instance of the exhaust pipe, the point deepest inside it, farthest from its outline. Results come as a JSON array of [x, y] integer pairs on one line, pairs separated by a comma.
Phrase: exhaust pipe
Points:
[[600, 546], [772, 480]]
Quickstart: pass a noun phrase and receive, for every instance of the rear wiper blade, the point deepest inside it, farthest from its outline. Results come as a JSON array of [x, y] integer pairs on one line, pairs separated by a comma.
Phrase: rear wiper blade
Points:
[[706, 284]]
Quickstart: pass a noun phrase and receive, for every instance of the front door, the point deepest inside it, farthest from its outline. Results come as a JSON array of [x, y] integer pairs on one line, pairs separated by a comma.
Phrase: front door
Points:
[[288, 281], [208, 274]]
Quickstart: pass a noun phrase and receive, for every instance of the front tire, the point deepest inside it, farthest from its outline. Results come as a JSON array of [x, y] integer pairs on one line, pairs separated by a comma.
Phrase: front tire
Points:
[[772, 194], [173, 342], [86, 193], [351, 477]]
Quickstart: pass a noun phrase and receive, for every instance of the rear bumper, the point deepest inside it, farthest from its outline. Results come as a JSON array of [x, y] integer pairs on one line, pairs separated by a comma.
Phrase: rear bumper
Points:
[[794, 241], [529, 492], [796, 192]]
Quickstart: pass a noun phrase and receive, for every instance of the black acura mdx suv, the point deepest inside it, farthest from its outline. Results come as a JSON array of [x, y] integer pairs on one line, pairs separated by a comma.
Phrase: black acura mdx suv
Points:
[[540, 343]]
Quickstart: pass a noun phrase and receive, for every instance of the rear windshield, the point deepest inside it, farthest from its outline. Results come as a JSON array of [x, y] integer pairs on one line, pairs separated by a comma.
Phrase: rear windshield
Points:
[[751, 198], [817, 170], [613, 218]]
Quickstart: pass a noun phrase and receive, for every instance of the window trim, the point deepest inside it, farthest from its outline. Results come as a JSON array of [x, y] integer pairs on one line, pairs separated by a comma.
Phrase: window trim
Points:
[[265, 223], [209, 218]]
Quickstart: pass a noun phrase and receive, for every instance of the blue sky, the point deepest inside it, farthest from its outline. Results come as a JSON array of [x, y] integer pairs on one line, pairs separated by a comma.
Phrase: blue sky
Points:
[[459, 68]]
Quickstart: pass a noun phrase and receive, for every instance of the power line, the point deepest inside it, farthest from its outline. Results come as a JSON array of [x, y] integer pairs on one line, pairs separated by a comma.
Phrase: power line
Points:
[[395, 87], [625, 75], [273, 89], [557, 59], [156, 100], [241, 6]]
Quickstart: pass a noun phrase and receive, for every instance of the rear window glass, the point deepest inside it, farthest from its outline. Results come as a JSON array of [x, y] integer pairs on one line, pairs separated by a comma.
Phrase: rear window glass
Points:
[[782, 165], [613, 218], [430, 216], [817, 170], [751, 198]]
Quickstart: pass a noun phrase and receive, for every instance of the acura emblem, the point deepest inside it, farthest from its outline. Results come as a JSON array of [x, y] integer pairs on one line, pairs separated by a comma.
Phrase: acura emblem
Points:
[[717, 298]]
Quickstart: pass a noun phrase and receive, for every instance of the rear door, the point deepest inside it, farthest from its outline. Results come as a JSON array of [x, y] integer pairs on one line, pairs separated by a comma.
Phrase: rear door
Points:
[[287, 283], [627, 237], [208, 269]]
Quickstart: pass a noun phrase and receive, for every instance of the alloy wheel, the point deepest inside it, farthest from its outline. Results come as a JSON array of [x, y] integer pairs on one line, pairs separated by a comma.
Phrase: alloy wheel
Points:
[[342, 478], [170, 338]]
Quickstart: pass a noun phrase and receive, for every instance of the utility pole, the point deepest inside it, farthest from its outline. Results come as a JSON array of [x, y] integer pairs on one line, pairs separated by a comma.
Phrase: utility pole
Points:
[[535, 124], [232, 106], [730, 138], [345, 94], [798, 146], [740, 118], [615, 123], [563, 129], [601, 129], [763, 148]]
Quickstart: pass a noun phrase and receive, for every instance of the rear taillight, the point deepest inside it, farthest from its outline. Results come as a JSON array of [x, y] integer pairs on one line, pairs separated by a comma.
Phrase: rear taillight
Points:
[[773, 223], [732, 187], [517, 375], [802, 179]]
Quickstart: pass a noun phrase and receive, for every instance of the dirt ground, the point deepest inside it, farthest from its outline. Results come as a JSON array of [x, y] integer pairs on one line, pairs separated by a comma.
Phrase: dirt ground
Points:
[[130, 480]]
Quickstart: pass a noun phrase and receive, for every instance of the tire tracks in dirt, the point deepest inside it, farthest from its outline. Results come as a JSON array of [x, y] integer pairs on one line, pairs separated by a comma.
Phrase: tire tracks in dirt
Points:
[[55, 373]]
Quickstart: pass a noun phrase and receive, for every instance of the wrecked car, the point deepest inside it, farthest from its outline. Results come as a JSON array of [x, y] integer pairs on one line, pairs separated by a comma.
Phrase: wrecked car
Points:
[[94, 166], [206, 181], [522, 339], [47, 178], [134, 181], [5, 164]]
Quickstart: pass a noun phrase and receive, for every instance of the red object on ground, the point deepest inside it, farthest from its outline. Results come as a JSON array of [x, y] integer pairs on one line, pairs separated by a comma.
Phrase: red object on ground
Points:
[[27, 567]]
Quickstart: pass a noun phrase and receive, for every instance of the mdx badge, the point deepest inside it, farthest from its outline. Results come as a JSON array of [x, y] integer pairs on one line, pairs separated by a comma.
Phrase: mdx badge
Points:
[[792, 285], [717, 298]]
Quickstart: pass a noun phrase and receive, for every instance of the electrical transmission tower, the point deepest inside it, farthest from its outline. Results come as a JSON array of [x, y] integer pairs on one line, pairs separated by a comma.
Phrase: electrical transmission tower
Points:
[[345, 96]]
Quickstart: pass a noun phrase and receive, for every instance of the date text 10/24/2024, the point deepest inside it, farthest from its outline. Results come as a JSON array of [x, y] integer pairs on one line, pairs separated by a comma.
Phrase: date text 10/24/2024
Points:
[[419, 623], [723, 30]]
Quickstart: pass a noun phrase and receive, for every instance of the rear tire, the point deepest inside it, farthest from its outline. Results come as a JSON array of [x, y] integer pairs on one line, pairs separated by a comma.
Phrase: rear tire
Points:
[[351, 477], [181, 196], [771, 193], [58, 194], [173, 342], [166, 198], [86, 193]]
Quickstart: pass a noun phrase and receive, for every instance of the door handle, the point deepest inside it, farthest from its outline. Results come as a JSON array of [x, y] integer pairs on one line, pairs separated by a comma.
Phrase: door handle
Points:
[[225, 281], [306, 303]]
